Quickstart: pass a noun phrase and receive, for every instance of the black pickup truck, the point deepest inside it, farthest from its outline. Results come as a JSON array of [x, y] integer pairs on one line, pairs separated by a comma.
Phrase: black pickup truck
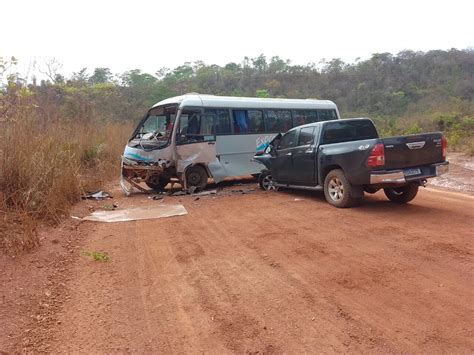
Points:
[[346, 158]]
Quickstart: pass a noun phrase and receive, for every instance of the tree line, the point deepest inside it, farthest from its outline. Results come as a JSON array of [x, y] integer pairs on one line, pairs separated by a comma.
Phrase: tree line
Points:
[[408, 91]]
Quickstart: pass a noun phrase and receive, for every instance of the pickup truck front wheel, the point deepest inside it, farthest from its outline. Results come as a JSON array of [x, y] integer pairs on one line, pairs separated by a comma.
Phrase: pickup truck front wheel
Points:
[[337, 189], [402, 194], [265, 181]]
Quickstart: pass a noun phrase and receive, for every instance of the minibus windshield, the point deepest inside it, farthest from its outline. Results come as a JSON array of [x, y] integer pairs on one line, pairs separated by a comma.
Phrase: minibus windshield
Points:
[[155, 130], [154, 127]]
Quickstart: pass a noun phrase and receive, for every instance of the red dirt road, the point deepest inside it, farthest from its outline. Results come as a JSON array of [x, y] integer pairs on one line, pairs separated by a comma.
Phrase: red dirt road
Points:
[[260, 272]]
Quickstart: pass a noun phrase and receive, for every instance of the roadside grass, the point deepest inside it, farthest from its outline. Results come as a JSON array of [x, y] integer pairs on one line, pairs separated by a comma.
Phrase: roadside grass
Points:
[[46, 167], [97, 255]]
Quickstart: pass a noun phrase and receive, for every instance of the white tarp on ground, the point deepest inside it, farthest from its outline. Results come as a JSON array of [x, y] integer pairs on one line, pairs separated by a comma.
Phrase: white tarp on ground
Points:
[[136, 214]]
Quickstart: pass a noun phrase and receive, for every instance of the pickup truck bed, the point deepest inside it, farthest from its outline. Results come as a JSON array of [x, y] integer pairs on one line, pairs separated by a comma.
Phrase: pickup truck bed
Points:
[[349, 157]]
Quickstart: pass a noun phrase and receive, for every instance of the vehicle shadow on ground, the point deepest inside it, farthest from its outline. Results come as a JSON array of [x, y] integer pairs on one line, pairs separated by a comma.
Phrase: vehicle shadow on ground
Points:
[[376, 203], [370, 203]]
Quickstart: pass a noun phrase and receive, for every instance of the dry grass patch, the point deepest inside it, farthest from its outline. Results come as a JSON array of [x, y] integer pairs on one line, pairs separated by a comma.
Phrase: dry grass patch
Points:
[[46, 167]]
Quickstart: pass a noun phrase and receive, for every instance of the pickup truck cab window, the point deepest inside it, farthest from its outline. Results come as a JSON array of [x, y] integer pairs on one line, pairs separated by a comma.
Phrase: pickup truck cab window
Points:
[[288, 140], [338, 132], [306, 136]]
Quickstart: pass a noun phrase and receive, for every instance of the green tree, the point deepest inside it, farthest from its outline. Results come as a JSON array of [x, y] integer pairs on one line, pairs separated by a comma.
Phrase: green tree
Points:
[[101, 75]]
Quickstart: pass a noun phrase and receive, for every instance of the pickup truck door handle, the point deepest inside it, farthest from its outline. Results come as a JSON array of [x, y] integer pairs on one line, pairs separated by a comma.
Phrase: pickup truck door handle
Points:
[[309, 151], [289, 154], [211, 143]]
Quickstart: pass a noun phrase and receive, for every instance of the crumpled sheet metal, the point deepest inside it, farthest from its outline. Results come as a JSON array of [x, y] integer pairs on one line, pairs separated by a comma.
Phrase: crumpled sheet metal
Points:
[[137, 214], [98, 195], [217, 170]]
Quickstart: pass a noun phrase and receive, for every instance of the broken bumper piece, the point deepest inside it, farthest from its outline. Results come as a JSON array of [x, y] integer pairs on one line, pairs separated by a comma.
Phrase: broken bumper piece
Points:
[[135, 172]]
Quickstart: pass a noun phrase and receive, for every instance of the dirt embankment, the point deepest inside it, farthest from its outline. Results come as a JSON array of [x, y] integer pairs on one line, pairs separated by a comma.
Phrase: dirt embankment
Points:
[[260, 272]]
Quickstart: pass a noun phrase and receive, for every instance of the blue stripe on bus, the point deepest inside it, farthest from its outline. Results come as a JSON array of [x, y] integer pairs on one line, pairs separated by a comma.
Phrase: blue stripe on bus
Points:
[[137, 156]]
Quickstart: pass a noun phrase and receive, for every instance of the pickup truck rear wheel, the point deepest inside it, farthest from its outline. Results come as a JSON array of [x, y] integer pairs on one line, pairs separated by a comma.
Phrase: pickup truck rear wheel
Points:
[[337, 189], [402, 194]]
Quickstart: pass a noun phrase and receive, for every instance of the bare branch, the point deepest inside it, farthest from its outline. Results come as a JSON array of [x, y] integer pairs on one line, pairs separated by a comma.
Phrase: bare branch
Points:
[[51, 69]]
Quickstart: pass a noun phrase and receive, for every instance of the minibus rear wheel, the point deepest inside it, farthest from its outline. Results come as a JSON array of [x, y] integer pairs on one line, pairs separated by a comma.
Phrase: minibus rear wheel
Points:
[[196, 176]]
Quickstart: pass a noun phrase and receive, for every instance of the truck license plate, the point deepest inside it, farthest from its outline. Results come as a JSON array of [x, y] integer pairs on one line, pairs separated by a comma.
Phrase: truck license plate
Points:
[[412, 171]]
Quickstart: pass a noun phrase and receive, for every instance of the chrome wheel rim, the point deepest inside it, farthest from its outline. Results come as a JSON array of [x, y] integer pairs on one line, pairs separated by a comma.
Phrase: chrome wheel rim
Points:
[[336, 189], [267, 183]]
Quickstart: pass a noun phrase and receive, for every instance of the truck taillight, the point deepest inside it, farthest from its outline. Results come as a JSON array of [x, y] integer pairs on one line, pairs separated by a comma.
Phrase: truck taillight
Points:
[[444, 143], [377, 156]]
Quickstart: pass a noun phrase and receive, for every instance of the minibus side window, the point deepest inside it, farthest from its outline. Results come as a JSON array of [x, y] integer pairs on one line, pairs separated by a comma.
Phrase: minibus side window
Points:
[[326, 115], [248, 121], [278, 121], [302, 117], [222, 121], [195, 127]]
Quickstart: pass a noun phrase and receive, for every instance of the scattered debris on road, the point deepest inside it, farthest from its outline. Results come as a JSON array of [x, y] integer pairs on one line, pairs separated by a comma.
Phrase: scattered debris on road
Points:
[[97, 195], [192, 191], [206, 193], [156, 197], [197, 195], [110, 207], [242, 191], [138, 213]]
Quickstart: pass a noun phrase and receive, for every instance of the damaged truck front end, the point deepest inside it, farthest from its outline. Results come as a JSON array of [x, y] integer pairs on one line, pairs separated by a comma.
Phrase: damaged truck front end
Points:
[[266, 157]]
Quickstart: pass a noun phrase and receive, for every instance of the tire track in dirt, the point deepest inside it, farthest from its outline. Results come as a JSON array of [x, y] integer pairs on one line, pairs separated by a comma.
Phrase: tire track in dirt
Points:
[[205, 271], [311, 304], [265, 273], [283, 239]]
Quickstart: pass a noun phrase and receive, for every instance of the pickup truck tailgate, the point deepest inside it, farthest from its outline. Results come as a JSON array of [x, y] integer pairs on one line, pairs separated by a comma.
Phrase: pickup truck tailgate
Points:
[[411, 151]]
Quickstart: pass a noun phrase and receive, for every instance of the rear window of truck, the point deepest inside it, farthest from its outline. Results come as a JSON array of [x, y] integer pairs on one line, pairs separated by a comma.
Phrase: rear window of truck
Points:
[[340, 131]]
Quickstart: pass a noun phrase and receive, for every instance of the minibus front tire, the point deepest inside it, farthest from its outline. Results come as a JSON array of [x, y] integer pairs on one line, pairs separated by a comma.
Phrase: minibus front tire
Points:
[[196, 176]]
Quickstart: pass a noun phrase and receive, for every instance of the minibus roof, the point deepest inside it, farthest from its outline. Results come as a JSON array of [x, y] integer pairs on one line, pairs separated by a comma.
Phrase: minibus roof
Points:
[[197, 100]]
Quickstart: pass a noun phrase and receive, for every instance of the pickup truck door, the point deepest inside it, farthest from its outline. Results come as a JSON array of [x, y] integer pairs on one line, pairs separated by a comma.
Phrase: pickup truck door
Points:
[[283, 163], [304, 157]]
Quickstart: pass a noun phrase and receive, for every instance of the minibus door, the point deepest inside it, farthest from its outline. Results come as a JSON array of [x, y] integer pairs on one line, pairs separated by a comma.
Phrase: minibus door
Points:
[[196, 142]]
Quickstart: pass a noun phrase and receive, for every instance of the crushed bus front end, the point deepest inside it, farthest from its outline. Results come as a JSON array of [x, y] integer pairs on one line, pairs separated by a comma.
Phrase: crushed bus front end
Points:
[[148, 156], [155, 174]]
